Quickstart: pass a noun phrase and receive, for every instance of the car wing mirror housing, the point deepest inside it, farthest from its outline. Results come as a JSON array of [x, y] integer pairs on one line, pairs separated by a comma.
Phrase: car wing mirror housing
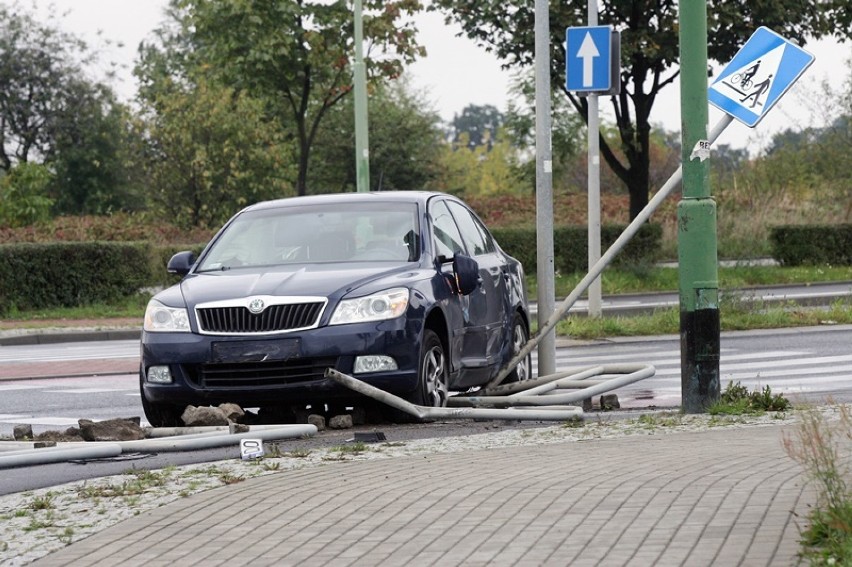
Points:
[[181, 263], [466, 271]]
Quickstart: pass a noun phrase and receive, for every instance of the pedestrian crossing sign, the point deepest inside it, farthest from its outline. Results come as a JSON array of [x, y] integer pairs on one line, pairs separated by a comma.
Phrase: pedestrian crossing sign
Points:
[[758, 76]]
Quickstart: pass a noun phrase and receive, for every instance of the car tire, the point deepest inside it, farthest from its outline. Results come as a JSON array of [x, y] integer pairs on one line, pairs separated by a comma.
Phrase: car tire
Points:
[[523, 371], [433, 375], [161, 415], [432, 380]]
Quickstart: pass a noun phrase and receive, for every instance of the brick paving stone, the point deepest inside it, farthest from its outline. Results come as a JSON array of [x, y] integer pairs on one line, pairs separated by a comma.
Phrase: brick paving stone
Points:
[[718, 497]]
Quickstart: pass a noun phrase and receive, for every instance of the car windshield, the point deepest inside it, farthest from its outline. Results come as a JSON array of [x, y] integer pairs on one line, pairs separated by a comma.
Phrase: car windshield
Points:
[[333, 232]]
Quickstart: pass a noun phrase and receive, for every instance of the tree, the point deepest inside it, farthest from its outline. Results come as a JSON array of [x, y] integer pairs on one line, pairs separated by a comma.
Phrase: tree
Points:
[[51, 113], [567, 133], [23, 195], [479, 170], [212, 152], [39, 69], [95, 156], [649, 53], [405, 143], [481, 124], [295, 54]]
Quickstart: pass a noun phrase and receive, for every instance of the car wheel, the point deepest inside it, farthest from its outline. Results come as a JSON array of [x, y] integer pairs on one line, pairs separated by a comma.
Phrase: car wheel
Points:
[[520, 336], [433, 378], [161, 415]]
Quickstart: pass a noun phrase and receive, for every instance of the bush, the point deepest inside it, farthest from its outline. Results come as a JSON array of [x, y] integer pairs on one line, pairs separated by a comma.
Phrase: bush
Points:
[[39, 276], [812, 244], [571, 245]]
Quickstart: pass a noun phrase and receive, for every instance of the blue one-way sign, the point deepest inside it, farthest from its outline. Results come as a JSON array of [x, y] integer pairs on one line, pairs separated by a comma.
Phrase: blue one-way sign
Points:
[[588, 58], [758, 75]]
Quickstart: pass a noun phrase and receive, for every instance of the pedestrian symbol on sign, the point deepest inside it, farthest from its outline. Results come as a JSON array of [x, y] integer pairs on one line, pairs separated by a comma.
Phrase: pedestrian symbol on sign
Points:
[[752, 82], [757, 76]]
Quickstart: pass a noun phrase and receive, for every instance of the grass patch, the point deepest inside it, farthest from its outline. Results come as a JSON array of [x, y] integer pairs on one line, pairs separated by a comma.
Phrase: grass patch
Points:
[[644, 278], [737, 400], [128, 307], [735, 314]]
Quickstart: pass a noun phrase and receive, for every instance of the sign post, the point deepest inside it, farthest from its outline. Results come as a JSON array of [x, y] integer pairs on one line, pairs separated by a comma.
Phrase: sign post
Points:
[[759, 74], [696, 220], [592, 66]]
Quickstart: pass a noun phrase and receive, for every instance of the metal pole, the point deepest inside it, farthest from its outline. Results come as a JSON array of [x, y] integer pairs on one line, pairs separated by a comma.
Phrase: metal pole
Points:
[[362, 144], [544, 188], [594, 169], [696, 215], [606, 258]]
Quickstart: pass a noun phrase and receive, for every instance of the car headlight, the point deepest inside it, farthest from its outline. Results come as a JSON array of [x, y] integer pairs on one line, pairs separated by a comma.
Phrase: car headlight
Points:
[[160, 318], [386, 304]]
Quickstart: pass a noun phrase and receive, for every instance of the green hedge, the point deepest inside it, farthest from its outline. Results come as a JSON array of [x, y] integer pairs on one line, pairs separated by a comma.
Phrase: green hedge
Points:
[[812, 244], [38, 276], [69, 274], [571, 246]]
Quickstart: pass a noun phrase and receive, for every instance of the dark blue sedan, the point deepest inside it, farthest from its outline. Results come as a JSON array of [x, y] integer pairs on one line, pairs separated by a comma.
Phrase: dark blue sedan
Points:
[[407, 291]]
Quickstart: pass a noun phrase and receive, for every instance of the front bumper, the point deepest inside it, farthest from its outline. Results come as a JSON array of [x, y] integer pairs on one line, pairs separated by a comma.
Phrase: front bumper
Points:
[[281, 369]]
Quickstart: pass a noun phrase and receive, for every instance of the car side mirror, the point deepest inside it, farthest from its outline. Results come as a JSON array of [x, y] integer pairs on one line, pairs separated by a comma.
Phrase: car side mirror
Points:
[[466, 271], [181, 263]]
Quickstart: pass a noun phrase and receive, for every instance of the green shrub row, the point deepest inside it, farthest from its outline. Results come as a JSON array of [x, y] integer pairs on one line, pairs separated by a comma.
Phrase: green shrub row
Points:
[[69, 274], [812, 244], [571, 246]]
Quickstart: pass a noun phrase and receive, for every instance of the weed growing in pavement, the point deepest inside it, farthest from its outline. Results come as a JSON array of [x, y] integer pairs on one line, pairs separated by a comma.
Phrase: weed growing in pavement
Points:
[[43, 502], [269, 467], [343, 452], [351, 449], [48, 521], [228, 478], [576, 423], [816, 445], [737, 400], [67, 535], [274, 452], [298, 454], [667, 419], [4, 546], [144, 481]]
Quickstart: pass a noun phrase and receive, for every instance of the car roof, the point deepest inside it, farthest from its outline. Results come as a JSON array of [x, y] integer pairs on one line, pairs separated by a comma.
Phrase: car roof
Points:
[[395, 196]]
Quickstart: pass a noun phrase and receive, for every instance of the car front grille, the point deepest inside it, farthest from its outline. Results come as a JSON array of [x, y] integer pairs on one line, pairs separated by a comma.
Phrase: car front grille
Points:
[[261, 374], [275, 318]]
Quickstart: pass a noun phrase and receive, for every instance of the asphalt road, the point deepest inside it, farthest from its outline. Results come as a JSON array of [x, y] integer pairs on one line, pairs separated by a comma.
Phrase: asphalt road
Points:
[[806, 365]]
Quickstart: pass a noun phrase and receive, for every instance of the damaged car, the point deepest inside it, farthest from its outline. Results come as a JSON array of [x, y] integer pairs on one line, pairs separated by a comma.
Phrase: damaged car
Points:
[[407, 291]]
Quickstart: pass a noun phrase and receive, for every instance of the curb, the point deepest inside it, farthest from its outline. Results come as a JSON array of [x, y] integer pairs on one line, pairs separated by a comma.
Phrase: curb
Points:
[[55, 336]]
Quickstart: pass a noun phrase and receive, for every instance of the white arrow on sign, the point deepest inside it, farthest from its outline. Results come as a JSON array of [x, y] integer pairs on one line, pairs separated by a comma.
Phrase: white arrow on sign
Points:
[[587, 52]]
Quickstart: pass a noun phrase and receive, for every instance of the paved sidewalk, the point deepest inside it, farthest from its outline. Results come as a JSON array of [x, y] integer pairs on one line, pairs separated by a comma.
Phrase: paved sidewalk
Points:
[[724, 497]]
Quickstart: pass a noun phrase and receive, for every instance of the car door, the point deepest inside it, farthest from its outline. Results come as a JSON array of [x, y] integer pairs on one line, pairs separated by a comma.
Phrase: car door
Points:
[[485, 326]]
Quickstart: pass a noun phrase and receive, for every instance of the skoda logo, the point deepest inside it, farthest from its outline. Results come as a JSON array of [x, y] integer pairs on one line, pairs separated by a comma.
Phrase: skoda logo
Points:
[[256, 305]]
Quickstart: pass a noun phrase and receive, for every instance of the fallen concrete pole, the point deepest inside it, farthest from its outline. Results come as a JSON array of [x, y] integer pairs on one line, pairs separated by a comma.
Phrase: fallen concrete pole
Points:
[[48, 455], [565, 413], [195, 442], [215, 439], [627, 374]]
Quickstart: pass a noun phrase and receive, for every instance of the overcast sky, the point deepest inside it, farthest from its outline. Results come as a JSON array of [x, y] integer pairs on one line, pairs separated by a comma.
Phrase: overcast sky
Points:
[[456, 72]]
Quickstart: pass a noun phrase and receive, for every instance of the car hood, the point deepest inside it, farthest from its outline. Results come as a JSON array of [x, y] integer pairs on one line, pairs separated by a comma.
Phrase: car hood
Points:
[[299, 280]]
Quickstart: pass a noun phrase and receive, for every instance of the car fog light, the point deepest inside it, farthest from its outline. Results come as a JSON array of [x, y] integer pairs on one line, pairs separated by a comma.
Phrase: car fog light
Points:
[[374, 363], [159, 375]]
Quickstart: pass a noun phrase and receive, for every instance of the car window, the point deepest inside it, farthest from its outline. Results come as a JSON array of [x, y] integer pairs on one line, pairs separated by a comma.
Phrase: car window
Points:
[[333, 232], [448, 240], [476, 238]]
